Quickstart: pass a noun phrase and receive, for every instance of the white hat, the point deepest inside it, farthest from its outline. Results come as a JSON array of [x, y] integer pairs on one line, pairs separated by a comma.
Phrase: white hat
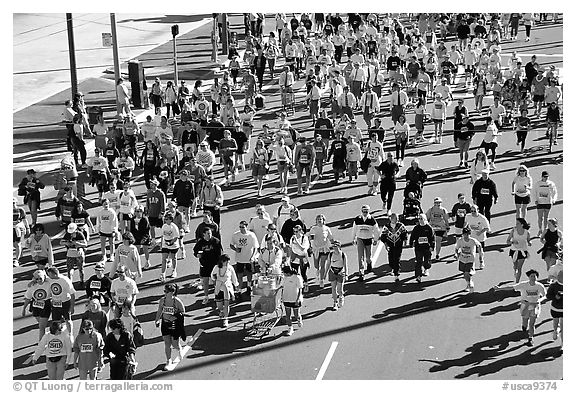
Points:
[[285, 198], [72, 227]]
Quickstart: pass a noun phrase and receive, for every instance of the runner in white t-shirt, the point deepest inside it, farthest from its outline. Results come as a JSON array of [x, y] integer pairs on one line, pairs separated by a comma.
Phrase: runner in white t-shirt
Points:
[[532, 293], [245, 245], [465, 252]]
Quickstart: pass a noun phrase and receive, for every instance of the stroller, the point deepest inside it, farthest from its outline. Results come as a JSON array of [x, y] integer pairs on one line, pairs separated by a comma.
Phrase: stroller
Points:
[[412, 208]]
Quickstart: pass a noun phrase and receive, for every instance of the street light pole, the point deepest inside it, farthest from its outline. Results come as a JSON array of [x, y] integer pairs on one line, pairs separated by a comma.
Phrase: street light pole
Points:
[[214, 38], [116, 60], [224, 34], [175, 32], [72, 54]]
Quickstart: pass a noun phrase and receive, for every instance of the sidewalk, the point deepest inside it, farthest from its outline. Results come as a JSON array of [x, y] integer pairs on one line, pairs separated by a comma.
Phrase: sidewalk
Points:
[[38, 136]]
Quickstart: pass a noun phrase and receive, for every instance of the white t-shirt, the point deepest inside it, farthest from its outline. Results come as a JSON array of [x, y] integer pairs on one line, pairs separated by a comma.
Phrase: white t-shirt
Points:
[[292, 287], [530, 293], [259, 226], [477, 224], [98, 163], [247, 243], [468, 249], [124, 289], [61, 289], [107, 221], [170, 234]]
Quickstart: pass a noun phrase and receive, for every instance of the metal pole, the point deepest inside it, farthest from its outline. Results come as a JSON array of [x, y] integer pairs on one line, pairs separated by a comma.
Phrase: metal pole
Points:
[[213, 38], [116, 59], [72, 53], [175, 61], [224, 34]]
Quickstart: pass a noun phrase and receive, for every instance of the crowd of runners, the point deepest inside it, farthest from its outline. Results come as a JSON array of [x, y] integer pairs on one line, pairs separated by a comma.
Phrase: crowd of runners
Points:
[[192, 151]]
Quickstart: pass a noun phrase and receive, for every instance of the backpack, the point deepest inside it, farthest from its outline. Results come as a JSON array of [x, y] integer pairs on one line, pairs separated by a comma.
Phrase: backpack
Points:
[[138, 334]]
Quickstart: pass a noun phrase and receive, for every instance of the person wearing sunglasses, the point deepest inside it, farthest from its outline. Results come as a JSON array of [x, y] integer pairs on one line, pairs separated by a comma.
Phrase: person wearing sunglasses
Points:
[[88, 347]]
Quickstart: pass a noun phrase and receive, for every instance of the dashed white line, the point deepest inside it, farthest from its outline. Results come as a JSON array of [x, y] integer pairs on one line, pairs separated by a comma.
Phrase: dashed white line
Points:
[[327, 360]]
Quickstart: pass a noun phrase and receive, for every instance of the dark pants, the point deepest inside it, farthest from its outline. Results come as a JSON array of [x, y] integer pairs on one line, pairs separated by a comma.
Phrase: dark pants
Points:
[[387, 188], [79, 146], [69, 136], [484, 207], [338, 50], [215, 213], [215, 107], [260, 76], [303, 266], [521, 138], [422, 261], [394, 255], [401, 148], [148, 174], [118, 369]]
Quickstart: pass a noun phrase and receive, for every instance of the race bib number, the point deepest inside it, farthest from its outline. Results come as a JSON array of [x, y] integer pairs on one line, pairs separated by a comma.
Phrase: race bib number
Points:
[[37, 249], [95, 285], [55, 345], [304, 159], [319, 150], [461, 212], [168, 310], [121, 299], [86, 348], [124, 203], [57, 303], [484, 191], [423, 240], [38, 304], [543, 195]]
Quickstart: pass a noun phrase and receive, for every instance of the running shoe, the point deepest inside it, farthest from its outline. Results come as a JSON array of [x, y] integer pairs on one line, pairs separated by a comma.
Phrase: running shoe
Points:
[[290, 331], [15, 263], [205, 300], [300, 323], [167, 365], [306, 191], [225, 323], [341, 301], [418, 279], [471, 286], [174, 274], [555, 335], [306, 288], [162, 278], [426, 272], [437, 257], [397, 278], [530, 342], [361, 277], [482, 265], [335, 306], [321, 284], [369, 268]]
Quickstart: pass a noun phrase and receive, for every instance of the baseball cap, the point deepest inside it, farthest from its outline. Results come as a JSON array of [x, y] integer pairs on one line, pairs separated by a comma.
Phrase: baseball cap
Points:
[[553, 221], [184, 172], [285, 198], [460, 194], [139, 208], [172, 203], [155, 181], [486, 171], [545, 173], [41, 274], [203, 143], [72, 227], [99, 266], [437, 199]]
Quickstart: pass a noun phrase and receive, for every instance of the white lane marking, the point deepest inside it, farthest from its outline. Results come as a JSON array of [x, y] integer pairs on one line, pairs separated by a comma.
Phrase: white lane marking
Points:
[[327, 360], [377, 253], [189, 345]]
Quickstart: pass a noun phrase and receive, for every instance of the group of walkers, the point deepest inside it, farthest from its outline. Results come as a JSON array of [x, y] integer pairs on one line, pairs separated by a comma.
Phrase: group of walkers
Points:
[[392, 67]]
